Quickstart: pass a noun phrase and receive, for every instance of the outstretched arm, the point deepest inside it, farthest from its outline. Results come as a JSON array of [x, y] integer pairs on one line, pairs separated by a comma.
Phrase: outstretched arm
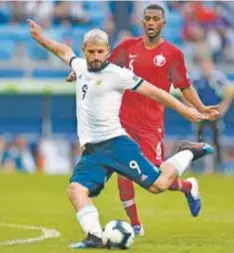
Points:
[[180, 80], [61, 50], [165, 98], [190, 94]]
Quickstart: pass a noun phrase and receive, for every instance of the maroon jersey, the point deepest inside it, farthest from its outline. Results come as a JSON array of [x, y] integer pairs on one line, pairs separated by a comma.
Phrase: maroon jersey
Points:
[[162, 66]]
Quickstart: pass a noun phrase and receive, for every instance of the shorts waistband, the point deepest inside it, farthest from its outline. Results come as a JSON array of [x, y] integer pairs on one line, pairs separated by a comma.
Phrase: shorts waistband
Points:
[[90, 147]]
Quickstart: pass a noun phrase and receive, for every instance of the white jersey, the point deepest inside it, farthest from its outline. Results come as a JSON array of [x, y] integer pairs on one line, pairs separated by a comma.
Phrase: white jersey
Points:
[[98, 100]]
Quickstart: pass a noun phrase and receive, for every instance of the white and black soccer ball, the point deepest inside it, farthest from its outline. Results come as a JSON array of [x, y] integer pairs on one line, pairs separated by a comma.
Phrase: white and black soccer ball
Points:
[[118, 234]]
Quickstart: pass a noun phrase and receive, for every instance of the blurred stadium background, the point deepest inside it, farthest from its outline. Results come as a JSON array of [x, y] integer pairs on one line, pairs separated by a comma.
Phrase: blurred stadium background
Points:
[[37, 106], [38, 126]]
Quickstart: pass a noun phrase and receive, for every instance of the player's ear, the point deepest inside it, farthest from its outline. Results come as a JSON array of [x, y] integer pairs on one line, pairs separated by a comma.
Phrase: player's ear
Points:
[[83, 48], [163, 23], [108, 51]]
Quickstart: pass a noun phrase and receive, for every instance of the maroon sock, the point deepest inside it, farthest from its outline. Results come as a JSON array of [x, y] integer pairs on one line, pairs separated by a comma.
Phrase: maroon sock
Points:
[[180, 185], [127, 196]]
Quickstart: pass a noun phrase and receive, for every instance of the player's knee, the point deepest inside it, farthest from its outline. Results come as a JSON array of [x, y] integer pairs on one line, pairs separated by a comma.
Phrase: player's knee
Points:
[[164, 181], [157, 187], [154, 189], [75, 189], [168, 174]]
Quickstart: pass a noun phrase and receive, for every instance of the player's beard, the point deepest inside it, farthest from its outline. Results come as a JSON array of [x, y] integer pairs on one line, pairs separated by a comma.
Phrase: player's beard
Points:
[[96, 66]]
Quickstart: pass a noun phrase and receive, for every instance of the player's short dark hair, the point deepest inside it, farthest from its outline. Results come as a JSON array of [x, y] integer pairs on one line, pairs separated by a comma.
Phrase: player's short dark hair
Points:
[[155, 7]]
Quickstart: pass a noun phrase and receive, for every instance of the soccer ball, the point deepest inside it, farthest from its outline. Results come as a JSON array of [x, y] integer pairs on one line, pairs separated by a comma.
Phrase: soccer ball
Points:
[[118, 234]]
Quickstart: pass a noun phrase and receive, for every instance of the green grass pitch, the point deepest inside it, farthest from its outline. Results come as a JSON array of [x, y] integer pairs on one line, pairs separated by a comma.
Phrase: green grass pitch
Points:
[[41, 201]]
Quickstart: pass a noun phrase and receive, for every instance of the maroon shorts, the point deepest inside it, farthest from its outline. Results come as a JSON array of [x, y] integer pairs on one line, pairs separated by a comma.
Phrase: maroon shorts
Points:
[[151, 144]]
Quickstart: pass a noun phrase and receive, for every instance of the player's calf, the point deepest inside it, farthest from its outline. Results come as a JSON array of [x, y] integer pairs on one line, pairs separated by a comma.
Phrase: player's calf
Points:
[[78, 195], [86, 213], [178, 163], [166, 178], [172, 168]]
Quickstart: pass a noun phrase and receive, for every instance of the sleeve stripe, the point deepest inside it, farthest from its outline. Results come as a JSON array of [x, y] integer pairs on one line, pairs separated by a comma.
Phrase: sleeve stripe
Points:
[[73, 58], [138, 84]]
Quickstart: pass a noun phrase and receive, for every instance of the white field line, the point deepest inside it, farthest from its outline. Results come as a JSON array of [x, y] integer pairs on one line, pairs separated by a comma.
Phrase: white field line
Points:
[[46, 234]]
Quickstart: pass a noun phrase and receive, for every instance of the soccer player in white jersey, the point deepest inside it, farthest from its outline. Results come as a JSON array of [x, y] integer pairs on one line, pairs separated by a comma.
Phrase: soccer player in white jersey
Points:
[[107, 147]]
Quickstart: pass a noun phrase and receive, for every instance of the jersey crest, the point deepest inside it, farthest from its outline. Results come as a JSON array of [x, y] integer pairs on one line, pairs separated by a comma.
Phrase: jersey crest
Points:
[[99, 82], [159, 60]]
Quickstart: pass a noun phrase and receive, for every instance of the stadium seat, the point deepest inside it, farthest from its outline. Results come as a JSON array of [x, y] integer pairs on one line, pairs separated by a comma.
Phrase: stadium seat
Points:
[[49, 73], [229, 121], [79, 32], [14, 32], [6, 49], [136, 30], [97, 18], [174, 19], [12, 73], [76, 46], [172, 35], [172, 31], [230, 76], [17, 117], [22, 125], [63, 109], [35, 51], [176, 125], [4, 15], [99, 6]]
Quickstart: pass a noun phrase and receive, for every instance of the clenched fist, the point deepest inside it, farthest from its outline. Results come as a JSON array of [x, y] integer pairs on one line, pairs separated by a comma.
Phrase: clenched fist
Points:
[[211, 111], [71, 77], [35, 29], [193, 115]]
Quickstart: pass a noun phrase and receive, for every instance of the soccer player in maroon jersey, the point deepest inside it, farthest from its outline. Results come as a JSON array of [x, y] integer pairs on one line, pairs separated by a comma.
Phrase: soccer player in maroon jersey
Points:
[[162, 64]]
